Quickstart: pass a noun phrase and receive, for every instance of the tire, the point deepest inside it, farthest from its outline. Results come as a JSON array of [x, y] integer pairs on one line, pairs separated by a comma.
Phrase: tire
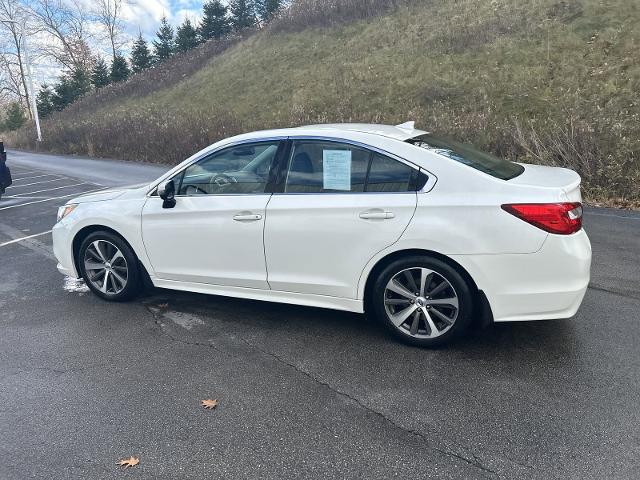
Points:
[[106, 254], [444, 303]]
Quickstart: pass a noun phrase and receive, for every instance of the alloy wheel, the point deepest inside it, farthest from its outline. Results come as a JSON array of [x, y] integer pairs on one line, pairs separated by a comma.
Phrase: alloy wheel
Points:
[[106, 267], [421, 302]]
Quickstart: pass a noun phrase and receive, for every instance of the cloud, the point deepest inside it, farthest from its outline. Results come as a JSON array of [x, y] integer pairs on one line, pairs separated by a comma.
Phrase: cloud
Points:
[[145, 15], [192, 14]]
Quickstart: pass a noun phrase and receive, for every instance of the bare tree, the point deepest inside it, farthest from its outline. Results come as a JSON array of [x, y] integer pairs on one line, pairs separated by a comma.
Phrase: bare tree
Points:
[[11, 85], [66, 21], [109, 14], [13, 79]]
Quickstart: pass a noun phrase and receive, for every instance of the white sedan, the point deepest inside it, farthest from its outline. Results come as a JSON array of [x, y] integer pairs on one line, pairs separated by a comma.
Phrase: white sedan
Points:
[[424, 233]]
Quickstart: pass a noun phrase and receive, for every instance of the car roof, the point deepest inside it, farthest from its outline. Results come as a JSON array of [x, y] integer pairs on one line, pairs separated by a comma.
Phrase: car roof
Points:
[[398, 132], [402, 132]]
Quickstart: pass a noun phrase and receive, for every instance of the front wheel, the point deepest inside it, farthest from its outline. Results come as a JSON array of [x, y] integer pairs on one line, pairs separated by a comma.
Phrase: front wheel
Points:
[[109, 267], [423, 301]]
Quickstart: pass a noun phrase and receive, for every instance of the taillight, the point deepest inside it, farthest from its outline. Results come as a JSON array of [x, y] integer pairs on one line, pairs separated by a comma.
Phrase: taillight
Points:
[[559, 218]]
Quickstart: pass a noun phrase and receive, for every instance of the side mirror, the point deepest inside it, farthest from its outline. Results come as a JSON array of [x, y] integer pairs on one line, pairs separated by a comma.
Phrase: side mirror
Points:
[[167, 192]]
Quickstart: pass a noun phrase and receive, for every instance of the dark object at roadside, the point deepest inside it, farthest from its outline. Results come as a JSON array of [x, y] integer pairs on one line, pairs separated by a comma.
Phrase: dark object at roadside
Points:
[[5, 174]]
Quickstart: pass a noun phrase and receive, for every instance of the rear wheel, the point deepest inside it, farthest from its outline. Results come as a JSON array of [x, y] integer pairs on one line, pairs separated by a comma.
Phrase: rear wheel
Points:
[[423, 301], [109, 267]]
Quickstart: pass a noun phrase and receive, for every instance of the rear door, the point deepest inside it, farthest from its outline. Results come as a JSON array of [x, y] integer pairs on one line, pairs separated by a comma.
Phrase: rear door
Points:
[[338, 205]]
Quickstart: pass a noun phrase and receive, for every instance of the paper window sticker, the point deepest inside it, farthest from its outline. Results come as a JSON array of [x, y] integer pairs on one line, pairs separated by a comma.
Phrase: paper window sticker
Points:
[[336, 169]]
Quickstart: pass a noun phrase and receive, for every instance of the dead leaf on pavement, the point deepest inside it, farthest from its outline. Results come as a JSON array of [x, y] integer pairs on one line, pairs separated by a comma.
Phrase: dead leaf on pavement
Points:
[[209, 404], [129, 462]]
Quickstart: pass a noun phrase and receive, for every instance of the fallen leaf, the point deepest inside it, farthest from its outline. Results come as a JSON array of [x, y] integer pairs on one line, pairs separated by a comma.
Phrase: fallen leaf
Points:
[[163, 305], [209, 404], [129, 462]]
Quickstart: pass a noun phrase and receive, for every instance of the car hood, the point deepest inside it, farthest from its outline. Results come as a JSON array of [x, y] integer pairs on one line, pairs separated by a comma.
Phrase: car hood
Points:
[[111, 194]]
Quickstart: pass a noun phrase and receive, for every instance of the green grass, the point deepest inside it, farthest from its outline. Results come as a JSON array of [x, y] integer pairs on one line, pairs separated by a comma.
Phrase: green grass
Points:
[[542, 81]]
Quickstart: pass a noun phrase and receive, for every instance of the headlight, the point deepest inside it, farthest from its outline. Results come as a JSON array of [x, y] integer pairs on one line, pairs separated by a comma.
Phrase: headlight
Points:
[[66, 210]]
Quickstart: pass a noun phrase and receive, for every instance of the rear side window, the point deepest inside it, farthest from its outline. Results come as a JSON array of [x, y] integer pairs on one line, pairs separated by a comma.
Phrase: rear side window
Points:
[[388, 175], [469, 155], [317, 167], [329, 167]]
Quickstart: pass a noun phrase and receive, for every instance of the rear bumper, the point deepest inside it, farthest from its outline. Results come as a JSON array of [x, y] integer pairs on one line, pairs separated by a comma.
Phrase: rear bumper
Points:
[[548, 284]]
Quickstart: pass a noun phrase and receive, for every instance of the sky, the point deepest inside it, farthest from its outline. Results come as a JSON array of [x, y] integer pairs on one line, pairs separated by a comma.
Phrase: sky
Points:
[[139, 16], [145, 15]]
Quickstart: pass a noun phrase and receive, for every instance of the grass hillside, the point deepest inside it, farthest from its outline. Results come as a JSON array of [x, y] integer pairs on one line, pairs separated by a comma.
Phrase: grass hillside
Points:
[[541, 81]]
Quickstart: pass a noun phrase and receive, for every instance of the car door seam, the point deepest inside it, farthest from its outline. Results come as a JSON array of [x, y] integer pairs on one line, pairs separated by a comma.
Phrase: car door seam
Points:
[[264, 240], [387, 247]]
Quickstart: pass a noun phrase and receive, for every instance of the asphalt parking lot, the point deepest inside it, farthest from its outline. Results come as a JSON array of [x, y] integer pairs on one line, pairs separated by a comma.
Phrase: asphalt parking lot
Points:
[[303, 392]]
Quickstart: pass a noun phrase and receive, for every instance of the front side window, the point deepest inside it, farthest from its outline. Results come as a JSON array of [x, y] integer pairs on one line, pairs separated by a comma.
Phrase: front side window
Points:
[[330, 167], [469, 155], [243, 169]]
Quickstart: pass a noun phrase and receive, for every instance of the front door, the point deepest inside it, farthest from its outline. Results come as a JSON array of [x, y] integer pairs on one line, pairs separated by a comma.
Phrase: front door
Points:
[[214, 234], [340, 206]]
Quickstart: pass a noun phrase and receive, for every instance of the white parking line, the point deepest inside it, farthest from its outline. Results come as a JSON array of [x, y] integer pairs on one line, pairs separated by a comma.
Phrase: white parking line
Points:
[[36, 176], [48, 190], [38, 183], [76, 194], [24, 238]]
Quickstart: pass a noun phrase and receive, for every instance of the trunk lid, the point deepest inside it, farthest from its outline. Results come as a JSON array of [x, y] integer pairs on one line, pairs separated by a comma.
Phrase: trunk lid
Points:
[[552, 179]]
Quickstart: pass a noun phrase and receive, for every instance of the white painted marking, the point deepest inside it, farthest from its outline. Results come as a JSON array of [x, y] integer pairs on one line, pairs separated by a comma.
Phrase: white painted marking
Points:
[[38, 183], [75, 285], [24, 238], [49, 190], [76, 194], [36, 176]]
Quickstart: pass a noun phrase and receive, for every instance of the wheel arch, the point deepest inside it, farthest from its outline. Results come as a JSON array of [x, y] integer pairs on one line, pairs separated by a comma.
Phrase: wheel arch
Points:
[[482, 309], [88, 230]]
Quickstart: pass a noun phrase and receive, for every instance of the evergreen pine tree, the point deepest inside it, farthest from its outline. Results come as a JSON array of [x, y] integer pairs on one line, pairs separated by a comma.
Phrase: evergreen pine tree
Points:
[[186, 37], [140, 55], [80, 82], [119, 69], [44, 101], [15, 117], [62, 93], [243, 14], [215, 22], [100, 74], [267, 9], [163, 47], [70, 87]]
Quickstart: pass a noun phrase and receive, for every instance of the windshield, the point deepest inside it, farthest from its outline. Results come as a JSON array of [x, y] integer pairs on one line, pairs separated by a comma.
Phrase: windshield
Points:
[[467, 154]]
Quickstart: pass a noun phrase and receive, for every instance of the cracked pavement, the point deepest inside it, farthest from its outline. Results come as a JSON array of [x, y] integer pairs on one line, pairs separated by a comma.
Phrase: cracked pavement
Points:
[[304, 393]]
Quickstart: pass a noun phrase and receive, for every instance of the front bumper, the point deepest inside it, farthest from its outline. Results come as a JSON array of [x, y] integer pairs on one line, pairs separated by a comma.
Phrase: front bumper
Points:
[[548, 284], [63, 249]]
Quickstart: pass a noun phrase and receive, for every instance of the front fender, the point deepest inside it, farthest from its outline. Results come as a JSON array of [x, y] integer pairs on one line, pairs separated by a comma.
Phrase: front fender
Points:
[[122, 216]]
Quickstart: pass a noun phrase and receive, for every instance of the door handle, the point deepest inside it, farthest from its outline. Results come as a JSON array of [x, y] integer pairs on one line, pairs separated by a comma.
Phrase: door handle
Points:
[[377, 215], [247, 217]]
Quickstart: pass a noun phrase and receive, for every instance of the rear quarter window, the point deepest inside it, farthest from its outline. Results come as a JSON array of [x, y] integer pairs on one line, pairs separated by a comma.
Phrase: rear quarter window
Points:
[[469, 155]]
